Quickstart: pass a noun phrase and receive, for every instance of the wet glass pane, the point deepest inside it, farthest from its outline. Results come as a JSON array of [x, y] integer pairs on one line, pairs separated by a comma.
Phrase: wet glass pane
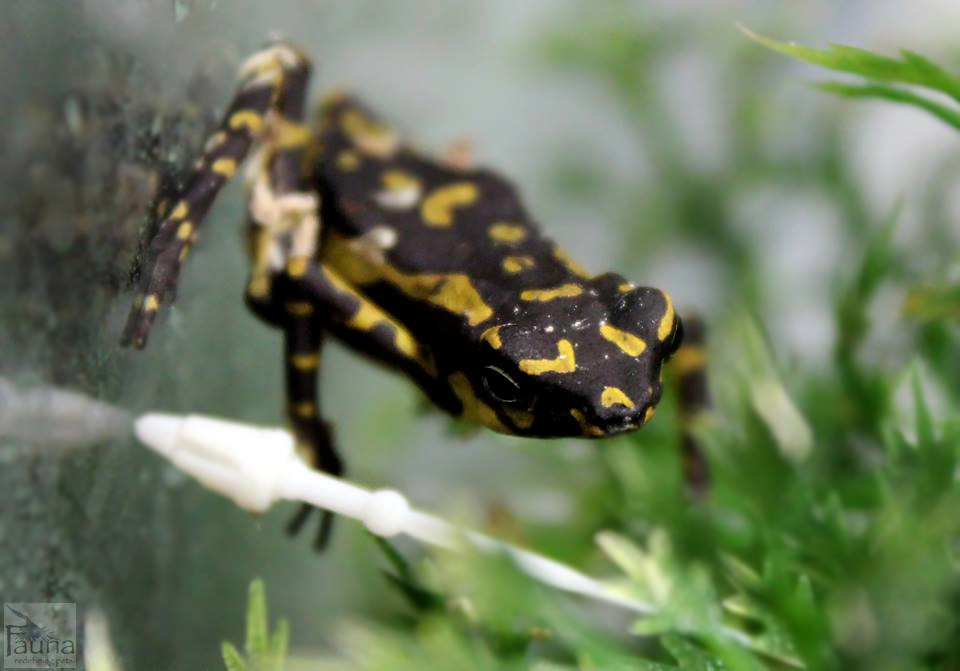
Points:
[[652, 139]]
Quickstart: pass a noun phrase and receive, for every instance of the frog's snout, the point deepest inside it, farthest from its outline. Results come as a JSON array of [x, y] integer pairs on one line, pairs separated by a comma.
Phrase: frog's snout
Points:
[[619, 413]]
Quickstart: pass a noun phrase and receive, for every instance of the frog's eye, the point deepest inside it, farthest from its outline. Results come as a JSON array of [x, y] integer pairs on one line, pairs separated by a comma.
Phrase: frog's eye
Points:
[[502, 387]]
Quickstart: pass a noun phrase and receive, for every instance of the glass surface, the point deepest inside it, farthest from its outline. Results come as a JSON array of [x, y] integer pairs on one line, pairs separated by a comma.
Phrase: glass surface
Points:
[[717, 174]]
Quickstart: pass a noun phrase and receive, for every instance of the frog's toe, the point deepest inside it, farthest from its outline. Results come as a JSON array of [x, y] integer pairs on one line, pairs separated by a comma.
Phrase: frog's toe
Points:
[[300, 518]]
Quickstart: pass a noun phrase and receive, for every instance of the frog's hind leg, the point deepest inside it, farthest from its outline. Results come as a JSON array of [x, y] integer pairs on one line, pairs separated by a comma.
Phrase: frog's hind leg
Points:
[[272, 84], [308, 301], [690, 374], [304, 336], [283, 229]]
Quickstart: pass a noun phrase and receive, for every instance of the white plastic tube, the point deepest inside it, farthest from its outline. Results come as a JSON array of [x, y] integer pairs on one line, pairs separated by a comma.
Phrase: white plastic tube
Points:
[[256, 466]]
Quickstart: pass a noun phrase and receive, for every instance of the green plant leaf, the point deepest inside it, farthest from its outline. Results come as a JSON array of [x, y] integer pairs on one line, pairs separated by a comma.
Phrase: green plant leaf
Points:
[[264, 652], [280, 640], [232, 658], [911, 68], [894, 94], [931, 303], [690, 657], [257, 637]]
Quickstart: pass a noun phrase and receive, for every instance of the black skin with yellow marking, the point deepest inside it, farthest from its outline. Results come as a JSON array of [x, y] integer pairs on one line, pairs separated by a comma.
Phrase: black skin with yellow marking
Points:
[[431, 268], [543, 308]]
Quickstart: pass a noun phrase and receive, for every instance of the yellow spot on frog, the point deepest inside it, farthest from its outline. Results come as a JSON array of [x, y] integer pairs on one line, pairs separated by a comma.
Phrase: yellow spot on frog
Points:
[[648, 414], [184, 253], [630, 344], [407, 345], [492, 337], [543, 295], [185, 230], [624, 287], [615, 396], [348, 160], [689, 360], [522, 419], [455, 293], [180, 211], [437, 208], [297, 266], [506, 232], [564, 363], [368, 316], [458, 295], [399, 179], [215, 141], [516, 264], [666, 323], [298, 308], [246, 119], [402, 190], [569, 263], [304, 410], [224, 166], [259, 286], [473, 408], [292, 135], [305, 362], [151, 303], [372, 138], [585, 426]]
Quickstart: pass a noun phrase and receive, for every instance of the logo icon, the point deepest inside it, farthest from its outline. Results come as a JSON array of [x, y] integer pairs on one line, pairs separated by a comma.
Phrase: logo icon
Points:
[[40, 636]]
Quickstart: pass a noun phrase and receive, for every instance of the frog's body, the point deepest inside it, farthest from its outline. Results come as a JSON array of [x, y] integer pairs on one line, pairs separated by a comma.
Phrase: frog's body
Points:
[[452, 255], [431, 267]]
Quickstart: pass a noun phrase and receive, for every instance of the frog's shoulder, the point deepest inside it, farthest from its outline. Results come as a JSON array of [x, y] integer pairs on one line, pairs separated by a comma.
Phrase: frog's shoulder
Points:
[[436, 216]]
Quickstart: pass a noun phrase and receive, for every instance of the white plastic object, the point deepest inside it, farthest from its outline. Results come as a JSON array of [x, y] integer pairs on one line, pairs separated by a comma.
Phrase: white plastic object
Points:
[[237, 460], [256, 466]]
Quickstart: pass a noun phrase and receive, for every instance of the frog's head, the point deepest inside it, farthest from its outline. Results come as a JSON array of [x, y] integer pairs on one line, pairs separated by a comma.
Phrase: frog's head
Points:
[[586, 365]]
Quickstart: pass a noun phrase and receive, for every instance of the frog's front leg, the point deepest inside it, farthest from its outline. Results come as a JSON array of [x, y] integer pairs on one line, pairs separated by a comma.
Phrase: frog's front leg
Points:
[[354, 319], [690, 374], [267, 109]]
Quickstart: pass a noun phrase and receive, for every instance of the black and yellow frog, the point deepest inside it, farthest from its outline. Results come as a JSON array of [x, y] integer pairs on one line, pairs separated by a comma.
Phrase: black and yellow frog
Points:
[[428, 265]]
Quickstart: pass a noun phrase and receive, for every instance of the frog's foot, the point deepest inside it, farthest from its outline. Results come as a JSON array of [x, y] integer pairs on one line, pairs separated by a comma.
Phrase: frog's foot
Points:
[[303, 515], [315, 446]]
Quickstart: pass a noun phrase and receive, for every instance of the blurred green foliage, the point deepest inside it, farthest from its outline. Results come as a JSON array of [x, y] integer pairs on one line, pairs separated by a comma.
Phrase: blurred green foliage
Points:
[[265, 652], [831, 537]]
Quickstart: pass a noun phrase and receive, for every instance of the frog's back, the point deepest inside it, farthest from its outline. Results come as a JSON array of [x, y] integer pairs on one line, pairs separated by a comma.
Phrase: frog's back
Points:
[[422, 216]]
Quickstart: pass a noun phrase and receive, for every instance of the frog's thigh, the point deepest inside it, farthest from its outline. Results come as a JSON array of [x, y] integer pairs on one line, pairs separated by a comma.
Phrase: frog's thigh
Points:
[[353, 318]]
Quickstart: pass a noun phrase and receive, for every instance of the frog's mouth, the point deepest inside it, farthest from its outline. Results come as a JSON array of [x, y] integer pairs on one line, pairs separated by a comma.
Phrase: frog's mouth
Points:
[[625, 426], [612, 417]]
